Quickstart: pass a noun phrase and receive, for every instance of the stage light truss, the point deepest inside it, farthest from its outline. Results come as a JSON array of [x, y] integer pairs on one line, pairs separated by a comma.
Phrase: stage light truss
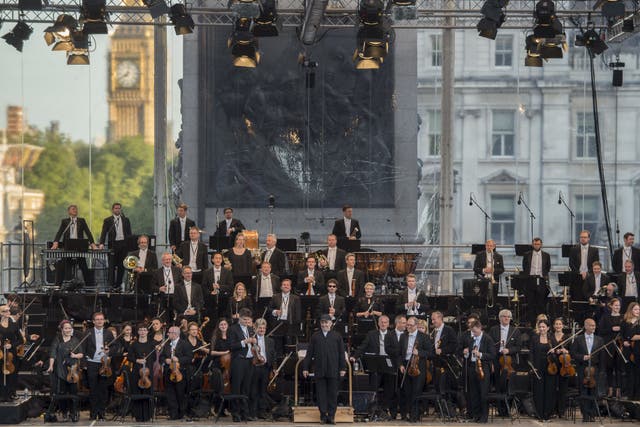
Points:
[[432, 14]]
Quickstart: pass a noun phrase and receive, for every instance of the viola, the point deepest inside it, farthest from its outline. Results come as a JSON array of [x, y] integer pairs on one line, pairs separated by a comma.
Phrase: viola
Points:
[[73, 372], [118, 384], [144, 382], [506, 364], [414, 367], [479, 368], [566, 368], [552, 368], [8, 367], [225, 365], [589, 380], [105, 367], [176, 375]]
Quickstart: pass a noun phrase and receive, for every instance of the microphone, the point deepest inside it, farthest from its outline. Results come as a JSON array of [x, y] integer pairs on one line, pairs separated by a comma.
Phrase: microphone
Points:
[[272, 201], [520, 198], [559, 197], [398, 235], [470, 199]]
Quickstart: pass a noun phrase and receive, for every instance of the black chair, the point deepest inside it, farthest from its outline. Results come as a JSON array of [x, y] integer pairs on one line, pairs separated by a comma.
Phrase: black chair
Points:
[[217, 393], [431, 396], [130, 397], [494, 399], [57, 397]]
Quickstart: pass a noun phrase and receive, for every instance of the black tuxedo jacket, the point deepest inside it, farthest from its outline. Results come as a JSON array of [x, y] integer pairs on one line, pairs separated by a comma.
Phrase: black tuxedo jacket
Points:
[[589, 284], [278, 261], [323, 306], [344, 286], [515, 340], [89, 344], [64, 230], [157, 279], [579, 349], [617, 259], [340, 262], [574, 258], [270, 345], [225, 281], [327, 355], [371, 344], [174, 231], [182, 351], [256, 285], [421, 298], [294, 310], [487, 348], [221, 231], [481, 262], [424, 345], [180, 301], [340, 231], [202, 258], [546, 263], [448, 338], [236, 336], [318, 287], [108, 233], [151, 262], [622, 283]]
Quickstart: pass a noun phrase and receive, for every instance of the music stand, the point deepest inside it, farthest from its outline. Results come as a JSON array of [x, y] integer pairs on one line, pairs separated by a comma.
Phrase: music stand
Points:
[[566, 250], [348, 245], [378, 364], [476, 248], [76, 245], [574, 282], [521, 250], [219, 243], [287, 245]]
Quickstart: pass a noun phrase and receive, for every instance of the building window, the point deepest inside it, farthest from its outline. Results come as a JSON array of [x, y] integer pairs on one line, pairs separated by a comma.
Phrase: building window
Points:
[[434, 131], [503, 214], [504, 51], [587, 216], [503, 133], [585, 136], [436, 50]]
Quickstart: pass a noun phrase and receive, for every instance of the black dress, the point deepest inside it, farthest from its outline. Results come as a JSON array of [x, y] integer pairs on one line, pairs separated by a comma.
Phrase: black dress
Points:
[[544, 389], [12, 334], [241, 265], [632, 387], [139, 350], [235, 306], [194, 375], [563, 382], [613, 363], [366, 324], [60, 352]]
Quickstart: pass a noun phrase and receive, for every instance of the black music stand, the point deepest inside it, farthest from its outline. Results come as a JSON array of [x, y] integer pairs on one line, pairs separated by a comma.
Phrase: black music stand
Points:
[[477, 247], [574, 282], [349, 245], [287, 245], [378, 364], [219, 243], [521, 250], [566, 250], [76, 245], [475, 292]]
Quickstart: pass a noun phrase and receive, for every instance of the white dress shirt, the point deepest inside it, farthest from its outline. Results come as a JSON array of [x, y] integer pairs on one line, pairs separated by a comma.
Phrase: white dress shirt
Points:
[[117, 221], [73, 228]]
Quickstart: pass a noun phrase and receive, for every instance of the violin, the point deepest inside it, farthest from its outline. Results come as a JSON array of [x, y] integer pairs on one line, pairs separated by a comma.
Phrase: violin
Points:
[[552, 368], [158, 379], [144, 382], [479, 368], [8, 367], [73, 367], [225, 365], [414, 367], [105, 367], [176, 375], [506, 364], [589, 380], [566, 368]]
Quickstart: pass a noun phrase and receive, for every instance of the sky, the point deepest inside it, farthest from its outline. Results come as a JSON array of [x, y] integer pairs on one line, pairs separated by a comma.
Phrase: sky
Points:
[[41, 81]]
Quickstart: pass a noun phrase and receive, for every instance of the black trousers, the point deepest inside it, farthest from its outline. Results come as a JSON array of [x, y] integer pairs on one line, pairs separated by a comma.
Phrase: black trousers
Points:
[[614, 367], [65, 267], [587, 406], [241, 374], [327, 396], [478, 392], [544, 394], [258, 403], [563, 387], [175, 394], [411, 390], [388, 384], [116, 269], [98, 389], [63, 387]]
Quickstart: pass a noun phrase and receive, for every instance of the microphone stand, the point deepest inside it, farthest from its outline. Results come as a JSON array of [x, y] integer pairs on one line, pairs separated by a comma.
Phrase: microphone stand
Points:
[[572, 216], [487, 217], [532, 217]]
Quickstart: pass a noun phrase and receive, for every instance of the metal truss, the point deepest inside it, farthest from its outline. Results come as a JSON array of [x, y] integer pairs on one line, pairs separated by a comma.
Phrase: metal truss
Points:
[[431, 14]]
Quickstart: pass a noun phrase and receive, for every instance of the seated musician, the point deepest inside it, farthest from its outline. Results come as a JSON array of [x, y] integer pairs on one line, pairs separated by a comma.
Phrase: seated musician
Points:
[[176, 355], [188, 300], [581, 350], [629, 282], [416, 347], [310, 280], [259, 400], [331, 303], [333, 259], [147, 259], [65, 353], [274, 256], [194, 253], [479, 352], [594, 281], [286, 308], [72, 228], [350, 280], [412, 302], [536, 263], [507, 339], [163, 283], [368, 309], [265, 286], [445, 343], [179, 227], [141, 354], [380, 341], [239, 300]]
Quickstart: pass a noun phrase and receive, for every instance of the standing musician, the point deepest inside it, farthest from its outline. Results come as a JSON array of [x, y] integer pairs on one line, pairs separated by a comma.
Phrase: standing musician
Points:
[[10, 339], [367, 309], [96, 348], [587, 366], [610, 327], [558, 336], [115, 229], [241, 337], [399, 329], [63, 354], [594, 281], [147, 259], [274, 256], [507, 339], [310, 281], [139, 356], [583, 255], [179, 227], [240, 258], [229, 227], [350, 280], [326, 352], [188, 300], [239, 300], [414, 350], [265, 286], [194, 375], [347, 227], [259, 406], [177, 357], [331, 303], [194, 254], [631, 336], [380, 341], [626, 252], [479, 352], [72, 228], [445, 343], [544, 383], [629, 282], [489, 265], [412, 302], [334, 258], [537, 263], [217, 279], [285, 307]]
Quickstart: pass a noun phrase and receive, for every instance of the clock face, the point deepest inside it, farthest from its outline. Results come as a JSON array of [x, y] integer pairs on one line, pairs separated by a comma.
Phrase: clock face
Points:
[[127, 74]]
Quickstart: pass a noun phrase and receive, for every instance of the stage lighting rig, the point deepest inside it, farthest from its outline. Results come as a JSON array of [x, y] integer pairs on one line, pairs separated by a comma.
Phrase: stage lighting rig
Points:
[[267, 25], [60, 33], [181, 20], [592, 41], [79, 55], [612, 10], [93, 16], [373, 36], [18, 35], [157, 8], [243, 45], [493, 16], [245, 8]]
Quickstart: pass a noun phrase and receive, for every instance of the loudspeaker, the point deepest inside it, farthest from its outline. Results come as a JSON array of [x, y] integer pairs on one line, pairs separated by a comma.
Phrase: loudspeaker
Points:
[[617, 78], [14, 412]]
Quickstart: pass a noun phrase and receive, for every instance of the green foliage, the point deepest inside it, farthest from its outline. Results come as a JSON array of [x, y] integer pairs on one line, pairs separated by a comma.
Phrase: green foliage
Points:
[[118, 172]]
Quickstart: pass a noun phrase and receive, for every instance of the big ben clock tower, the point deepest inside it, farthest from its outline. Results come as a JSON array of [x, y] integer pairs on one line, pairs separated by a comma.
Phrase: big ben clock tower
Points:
[[131, 83]]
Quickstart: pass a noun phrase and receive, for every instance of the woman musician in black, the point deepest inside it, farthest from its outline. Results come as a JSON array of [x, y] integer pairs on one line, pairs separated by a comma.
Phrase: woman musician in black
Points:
[[141, 356], [610, 327], [631, 343], [544, 384], [558, 336], [64, 363], [239, 300], [10, 339], [367, 306]]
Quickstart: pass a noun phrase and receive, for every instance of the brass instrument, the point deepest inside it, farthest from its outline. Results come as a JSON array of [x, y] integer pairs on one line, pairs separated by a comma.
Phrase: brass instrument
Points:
[[176, 260], [322, 260], [130, 263], [565, 295], [492, 279], [225, 260]]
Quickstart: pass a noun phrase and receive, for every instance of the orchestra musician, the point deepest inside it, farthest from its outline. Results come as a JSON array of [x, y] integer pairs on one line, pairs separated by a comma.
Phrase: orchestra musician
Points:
[[367, 308], [265, 284], [239, 300], [628, 282], [412, 302], [188, 300], [507, 339], [445, 344], [179, 227], [229, 227], [626, 252], [274, 256], [489, 265], [72, 228], [347, 227], [147, 259], [326, 352], [115, 229], [581, 350], [331, 304], [631, 343], [544, 384], [583, 255], [537, 263], [240, 258], [259, 400], [558, 336], [217, 278], [382, 342], [334, 258], [413, 344], [350, 280], [64, 353], [137, 356], [609, 327], [96, 346], [594, 281], [164, 282], [176, 352], [10, 339], [479, 352], [285, 307], [310, 280], [194, 254], [241, 337]]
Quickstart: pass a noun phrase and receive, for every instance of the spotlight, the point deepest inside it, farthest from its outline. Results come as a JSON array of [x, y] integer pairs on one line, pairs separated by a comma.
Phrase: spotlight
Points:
[[373, 36], [493, 17], [243, 45], [245, 8], [544, 12], [618, 68], [182, 21], [592, 41], [613, 9], [266, 25], [20, 33], [627, 25], [60, 31], [157, 8], [532, 61], [94, 16], [487, 28], [370, 12], [79, 55], [30, 4]]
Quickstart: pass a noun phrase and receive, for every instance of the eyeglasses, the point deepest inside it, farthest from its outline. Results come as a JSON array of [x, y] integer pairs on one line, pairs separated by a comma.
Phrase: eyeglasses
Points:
[[331, 286]]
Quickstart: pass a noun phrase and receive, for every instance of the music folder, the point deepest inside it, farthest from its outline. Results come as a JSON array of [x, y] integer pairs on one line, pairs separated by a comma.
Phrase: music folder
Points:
[[375, 363], [77, 245]]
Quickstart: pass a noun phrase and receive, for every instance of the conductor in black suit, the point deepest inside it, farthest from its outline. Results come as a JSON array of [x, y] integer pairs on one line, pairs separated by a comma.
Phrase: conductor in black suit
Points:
[[115, 229], [583, 255], [347, 227], [326, 351], [228, 228], [536, 263], [581, 350], [274, 256], [479, 346], [331, 303], [627, 251], [351, 280], [72, 228], [179, 227]]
